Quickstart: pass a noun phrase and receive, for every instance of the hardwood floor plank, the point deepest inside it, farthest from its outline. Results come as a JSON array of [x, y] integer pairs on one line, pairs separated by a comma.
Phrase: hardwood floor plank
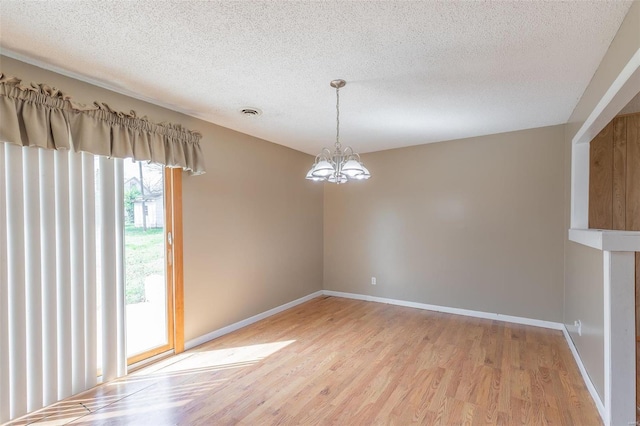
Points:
[[349, 362]]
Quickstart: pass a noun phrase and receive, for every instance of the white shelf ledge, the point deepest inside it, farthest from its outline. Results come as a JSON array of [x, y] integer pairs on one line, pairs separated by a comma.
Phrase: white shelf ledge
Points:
[[606, 240]]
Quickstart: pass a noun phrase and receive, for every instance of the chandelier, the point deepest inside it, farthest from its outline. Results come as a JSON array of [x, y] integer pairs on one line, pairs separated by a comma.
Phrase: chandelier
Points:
[[341, 165]]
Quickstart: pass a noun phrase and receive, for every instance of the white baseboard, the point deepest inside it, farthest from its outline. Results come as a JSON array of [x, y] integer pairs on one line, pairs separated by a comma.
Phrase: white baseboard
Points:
[[492, 316], [448, 310], [585, 375], [456, 311], [238, 325]]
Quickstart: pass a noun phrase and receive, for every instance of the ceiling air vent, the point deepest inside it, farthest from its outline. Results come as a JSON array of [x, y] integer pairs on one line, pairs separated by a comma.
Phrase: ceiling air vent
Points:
[[250, 112]]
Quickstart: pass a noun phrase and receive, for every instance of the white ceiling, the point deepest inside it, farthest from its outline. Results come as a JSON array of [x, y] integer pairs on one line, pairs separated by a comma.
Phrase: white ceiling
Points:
[[417, 72]]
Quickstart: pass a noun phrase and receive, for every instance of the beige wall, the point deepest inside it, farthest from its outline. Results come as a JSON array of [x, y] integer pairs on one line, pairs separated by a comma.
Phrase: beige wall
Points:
[[583, 294], [478, 223], [253, 232], [475, 223], [584, 270], [252, 239]]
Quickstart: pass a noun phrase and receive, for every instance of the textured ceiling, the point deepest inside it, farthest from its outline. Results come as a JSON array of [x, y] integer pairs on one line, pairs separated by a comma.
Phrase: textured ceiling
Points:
[[416, 72]]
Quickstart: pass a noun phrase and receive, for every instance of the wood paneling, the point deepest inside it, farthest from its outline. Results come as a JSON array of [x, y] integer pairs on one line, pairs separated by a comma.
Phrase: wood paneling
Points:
[[633, 172], [619, 172], [614, 175], [349, 362], [601, 180]]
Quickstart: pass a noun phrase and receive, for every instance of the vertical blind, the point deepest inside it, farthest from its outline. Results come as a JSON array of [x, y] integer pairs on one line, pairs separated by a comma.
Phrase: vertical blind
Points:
[[61, 237], [62, 275]]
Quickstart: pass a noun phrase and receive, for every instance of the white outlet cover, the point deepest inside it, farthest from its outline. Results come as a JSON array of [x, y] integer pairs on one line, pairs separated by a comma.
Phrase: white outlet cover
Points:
[[578, 325]]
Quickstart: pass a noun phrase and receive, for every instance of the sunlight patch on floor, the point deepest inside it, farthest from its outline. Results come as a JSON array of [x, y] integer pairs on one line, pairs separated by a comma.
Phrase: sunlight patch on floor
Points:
[[157, 389], [172, 390], [235, 357]]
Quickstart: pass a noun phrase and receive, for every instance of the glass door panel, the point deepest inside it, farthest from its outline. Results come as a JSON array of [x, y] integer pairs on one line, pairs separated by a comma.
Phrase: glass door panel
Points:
[[147, 295]]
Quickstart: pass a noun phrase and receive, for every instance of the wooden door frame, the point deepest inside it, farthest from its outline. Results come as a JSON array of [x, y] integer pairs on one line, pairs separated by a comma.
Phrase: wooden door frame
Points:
[[174, 178]]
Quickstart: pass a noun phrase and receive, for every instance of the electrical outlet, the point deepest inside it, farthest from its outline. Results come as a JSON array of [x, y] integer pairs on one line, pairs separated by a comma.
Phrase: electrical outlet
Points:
[[373, 281], [578, 325]]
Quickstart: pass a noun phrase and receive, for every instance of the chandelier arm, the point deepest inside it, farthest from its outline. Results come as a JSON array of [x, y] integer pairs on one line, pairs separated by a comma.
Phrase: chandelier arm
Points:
[[348, 152], [325, 154]]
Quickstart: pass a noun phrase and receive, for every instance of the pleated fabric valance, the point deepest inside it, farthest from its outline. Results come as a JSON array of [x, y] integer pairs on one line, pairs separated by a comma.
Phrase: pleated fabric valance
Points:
[[42, 116]]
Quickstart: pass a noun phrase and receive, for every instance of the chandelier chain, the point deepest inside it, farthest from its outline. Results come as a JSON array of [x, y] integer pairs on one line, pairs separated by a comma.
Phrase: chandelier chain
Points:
[[338, 117]]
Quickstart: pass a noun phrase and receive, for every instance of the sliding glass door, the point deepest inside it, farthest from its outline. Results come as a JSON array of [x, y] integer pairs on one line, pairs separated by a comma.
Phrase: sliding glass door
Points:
[[148, 255]]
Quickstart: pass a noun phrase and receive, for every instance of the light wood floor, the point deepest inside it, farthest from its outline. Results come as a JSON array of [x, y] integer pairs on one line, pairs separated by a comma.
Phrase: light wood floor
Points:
[[346, 362]]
